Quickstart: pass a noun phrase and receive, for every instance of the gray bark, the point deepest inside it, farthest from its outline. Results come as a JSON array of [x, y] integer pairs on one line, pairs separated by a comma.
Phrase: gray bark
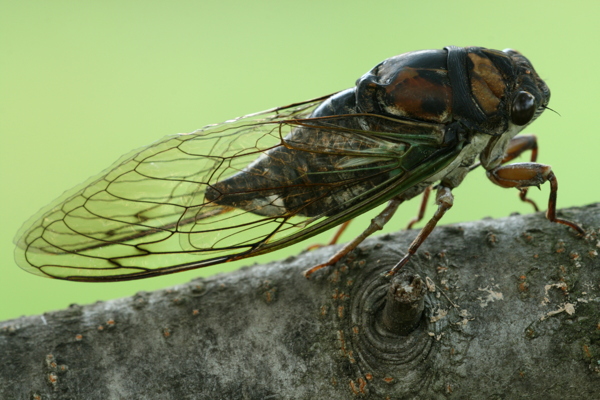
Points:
[[511, 310]]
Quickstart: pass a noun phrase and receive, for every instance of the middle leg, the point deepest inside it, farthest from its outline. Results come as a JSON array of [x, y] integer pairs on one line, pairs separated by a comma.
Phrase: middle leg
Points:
[[444, 199]]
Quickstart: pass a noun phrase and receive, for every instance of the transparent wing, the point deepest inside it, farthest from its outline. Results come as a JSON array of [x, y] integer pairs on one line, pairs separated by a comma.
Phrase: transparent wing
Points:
[[198, 199]]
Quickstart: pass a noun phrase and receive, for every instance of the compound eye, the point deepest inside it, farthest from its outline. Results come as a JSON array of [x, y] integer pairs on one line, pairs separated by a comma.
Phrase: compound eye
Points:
[[523, 108]]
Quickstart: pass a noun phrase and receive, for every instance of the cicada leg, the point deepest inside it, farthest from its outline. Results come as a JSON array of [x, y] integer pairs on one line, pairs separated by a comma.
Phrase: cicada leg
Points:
[[422, 208], [517, 146], [444, 199], [522, 175], [344, 226], [376, 224], [339, 232], [520, 144]]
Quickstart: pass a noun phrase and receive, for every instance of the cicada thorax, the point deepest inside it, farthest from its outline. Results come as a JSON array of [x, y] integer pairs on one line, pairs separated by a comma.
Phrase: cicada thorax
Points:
[[412, 85], [406, 111], [471, 86]]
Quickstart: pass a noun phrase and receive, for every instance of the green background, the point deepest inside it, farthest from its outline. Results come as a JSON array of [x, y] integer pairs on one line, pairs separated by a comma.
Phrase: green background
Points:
[[82, 82]]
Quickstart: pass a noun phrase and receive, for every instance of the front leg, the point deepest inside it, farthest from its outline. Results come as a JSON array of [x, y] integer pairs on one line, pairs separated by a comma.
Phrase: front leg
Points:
[[523, 175], [520, 144], [517, 146]]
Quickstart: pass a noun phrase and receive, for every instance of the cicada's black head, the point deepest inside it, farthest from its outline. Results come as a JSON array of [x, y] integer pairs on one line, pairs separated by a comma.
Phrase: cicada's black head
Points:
[[530, 95]]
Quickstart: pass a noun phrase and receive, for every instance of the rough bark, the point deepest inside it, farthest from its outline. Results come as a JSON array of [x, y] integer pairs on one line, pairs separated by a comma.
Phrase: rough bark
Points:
[[511, 310]]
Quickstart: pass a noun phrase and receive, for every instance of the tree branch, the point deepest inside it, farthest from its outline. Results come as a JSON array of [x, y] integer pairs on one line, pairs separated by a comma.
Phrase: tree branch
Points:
[[503, 308]]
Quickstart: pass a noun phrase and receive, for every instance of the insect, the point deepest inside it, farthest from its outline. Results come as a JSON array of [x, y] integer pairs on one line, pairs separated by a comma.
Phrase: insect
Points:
[[262, 182]]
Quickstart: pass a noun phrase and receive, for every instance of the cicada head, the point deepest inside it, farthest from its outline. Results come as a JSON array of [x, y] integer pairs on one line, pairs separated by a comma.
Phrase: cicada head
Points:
[[531, 94], [525, 97]]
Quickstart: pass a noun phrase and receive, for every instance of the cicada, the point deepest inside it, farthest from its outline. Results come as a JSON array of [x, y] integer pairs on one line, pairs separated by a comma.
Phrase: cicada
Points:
[[264, 181]]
